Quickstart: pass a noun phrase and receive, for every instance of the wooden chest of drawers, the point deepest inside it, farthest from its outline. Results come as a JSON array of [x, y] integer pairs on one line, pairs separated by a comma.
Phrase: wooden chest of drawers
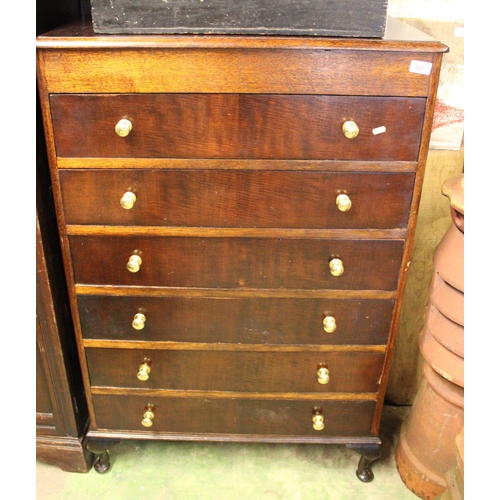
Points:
[[236, 218]]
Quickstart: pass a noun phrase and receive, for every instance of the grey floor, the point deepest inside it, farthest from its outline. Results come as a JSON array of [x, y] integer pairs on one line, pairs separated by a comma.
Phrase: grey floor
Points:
[[229, 471]]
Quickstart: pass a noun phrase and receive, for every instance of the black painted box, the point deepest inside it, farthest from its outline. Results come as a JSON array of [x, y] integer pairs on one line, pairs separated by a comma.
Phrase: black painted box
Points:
[[343, 18]]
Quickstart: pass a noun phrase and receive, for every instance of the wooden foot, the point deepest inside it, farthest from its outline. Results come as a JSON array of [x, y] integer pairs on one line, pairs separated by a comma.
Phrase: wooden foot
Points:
[[369, 453], [100, 448], [102, 463]]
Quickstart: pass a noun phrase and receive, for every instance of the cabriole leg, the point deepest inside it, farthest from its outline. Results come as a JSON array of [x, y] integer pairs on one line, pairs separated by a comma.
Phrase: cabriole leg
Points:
[[100, 448], [369, 453]]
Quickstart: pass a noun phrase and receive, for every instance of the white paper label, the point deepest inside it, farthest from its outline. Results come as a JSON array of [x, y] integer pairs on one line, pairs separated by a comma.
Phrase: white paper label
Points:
[[420, 67], [379, 130], [459, 31]]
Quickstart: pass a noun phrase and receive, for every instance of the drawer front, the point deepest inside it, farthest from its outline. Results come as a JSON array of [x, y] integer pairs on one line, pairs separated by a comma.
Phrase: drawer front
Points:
[[236, 320], [237, 126], [234, 416], [236, 371], [237, 262], [236, 198]]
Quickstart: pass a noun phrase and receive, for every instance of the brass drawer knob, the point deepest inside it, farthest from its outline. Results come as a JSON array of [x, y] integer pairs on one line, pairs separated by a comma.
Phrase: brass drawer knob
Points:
[[350, 129], [329, 324], [147, 417], [138, 322], [343, 202], [128, 200], [323, 375], [144, 370], [123, 127], [134, 263], [336, 267], [318, 422]]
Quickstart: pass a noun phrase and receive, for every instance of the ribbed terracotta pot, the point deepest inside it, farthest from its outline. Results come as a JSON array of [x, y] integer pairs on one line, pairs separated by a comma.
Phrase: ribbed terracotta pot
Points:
[[426, 448], [427, 445]]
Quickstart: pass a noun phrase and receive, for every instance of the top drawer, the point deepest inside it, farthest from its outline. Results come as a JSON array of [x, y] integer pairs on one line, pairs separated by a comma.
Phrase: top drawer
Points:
[[238, 126]]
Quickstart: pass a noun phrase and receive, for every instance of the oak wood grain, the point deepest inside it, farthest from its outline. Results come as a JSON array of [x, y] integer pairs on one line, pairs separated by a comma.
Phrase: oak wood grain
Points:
[[236, 371], [238, 232], [237, 262], [294, 396], [233, 263], [163, 291], [236, 198], [237, 126], [161, 345], [235, 416], [271, 70], [236, 164], [243, 321]]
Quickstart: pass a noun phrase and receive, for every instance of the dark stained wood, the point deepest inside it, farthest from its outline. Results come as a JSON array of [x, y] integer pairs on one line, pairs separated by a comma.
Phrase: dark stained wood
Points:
[[213, 115], [238, 320], [236, 262], [356, 18], [236, 198], [236, 371], [43, 402], [61, 410], [229, 416], [370, 452], [100, 448], [237, 126]]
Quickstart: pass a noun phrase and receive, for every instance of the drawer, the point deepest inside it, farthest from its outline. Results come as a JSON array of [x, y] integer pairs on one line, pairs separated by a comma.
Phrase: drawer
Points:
[[237, 126], [236, 370], [236, 320], [226, 198], [217, 262], [234, 416]]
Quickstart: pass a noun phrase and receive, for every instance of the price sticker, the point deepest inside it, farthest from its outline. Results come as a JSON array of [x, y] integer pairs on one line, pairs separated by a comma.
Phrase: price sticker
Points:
[[420, 67], [379, 130]]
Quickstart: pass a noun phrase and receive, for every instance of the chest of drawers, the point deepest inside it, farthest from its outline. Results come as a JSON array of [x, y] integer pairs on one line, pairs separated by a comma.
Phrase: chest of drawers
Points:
[[236, 219]]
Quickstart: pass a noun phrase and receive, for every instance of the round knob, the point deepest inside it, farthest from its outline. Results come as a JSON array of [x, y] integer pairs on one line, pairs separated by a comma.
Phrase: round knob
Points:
[[336, 267], [343, 202], [123, 127], [329, 324], [147, 420], [323, 375], [127, 200], [350, 129], [318, 422], [144, 370], [134, 263], [139, 320]]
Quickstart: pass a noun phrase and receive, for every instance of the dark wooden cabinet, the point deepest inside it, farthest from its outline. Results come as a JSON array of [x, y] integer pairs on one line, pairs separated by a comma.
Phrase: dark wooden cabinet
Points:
[[62, 416], [237, 216]]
